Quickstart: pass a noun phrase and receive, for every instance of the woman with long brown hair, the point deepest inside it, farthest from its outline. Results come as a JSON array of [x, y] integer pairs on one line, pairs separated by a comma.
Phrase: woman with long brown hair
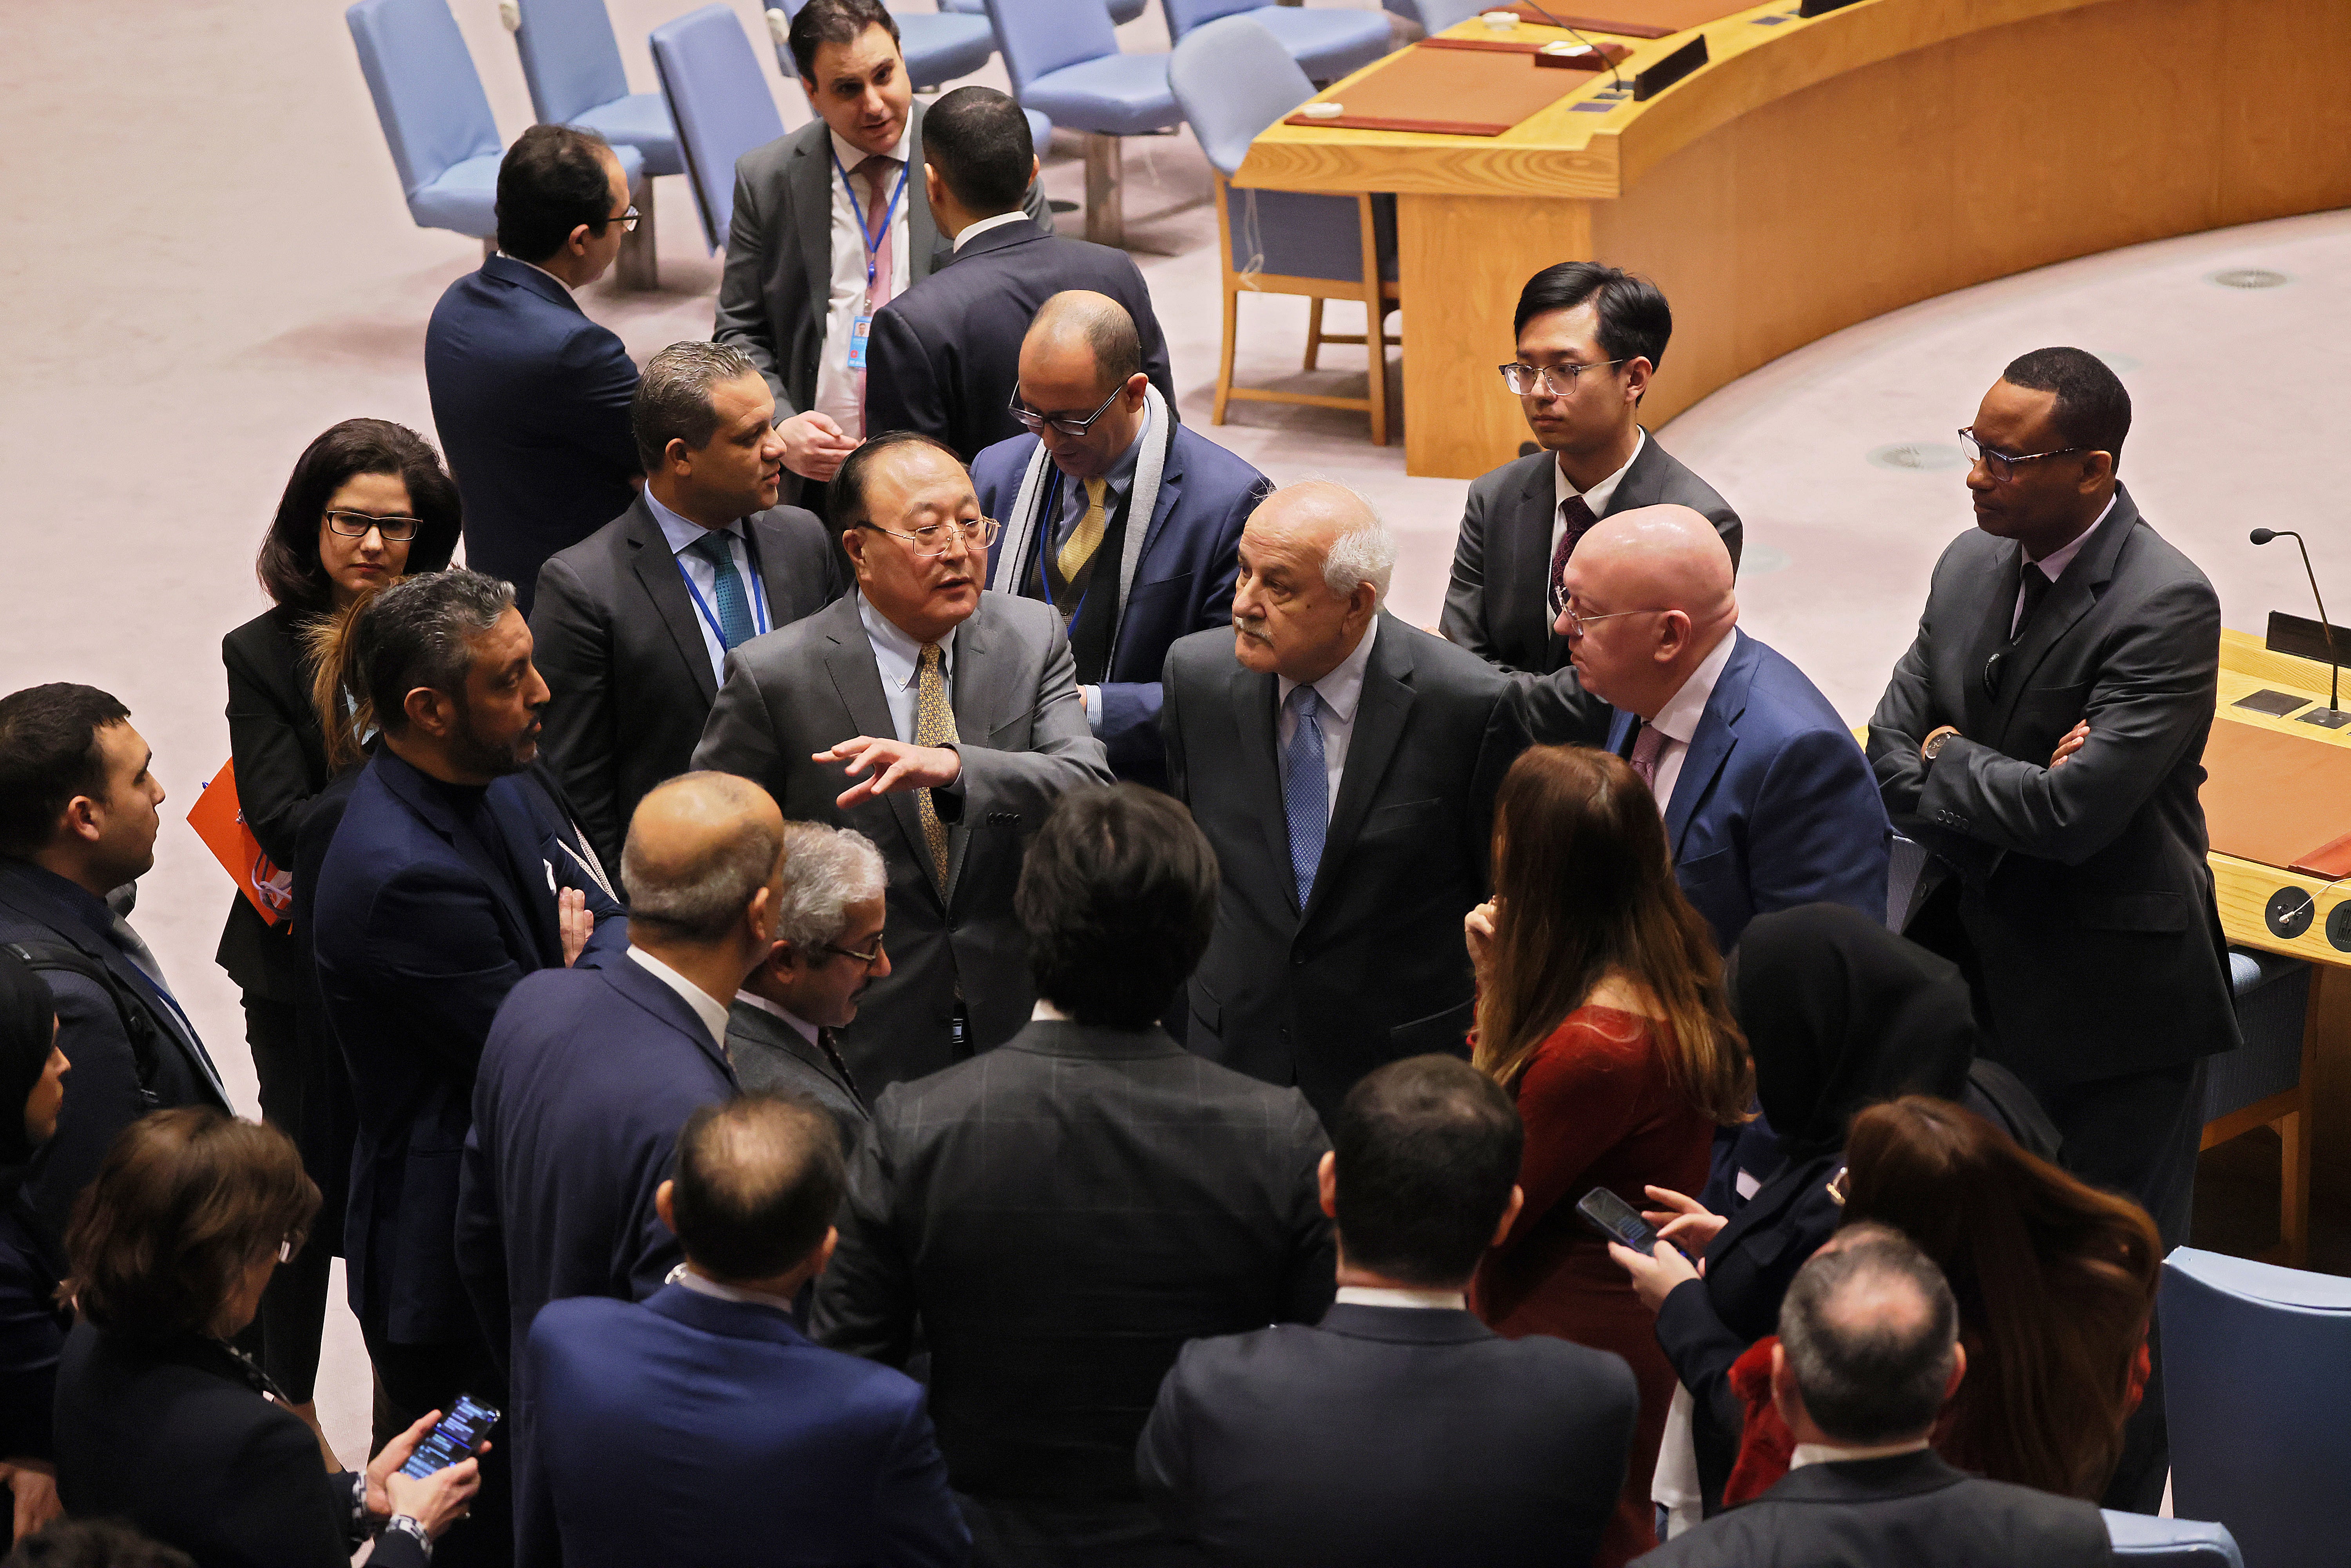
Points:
[[1600, 1008]]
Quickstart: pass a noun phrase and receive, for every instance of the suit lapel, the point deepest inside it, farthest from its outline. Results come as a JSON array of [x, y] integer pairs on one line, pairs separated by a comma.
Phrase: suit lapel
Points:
[[656, 569], [1526, 571], [810, 179], [1716, 739], [406, 783], [922, 228], [1380, 715], [1641, 486], [2069, 599], [849, 660], [1256, 710], [524, 844], [1990, 638]]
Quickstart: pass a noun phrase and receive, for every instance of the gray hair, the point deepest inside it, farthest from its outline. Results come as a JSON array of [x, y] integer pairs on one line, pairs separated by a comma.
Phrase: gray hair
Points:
[[826, 869], [697, 897], [419, 632], [1871, 1376], [1365, 553], [673, 401]]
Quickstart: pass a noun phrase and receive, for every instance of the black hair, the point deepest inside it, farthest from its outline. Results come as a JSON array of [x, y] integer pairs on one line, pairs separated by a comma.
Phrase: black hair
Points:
[[419, 632], [2094, 409], [821, 22], [759, 1181], [1117, 895], [288, 564], [1426, 1151], [48, 755], [978, 141], [1864, 1383], [1635, 319], [845, 496], [552, 181], [672, 400]]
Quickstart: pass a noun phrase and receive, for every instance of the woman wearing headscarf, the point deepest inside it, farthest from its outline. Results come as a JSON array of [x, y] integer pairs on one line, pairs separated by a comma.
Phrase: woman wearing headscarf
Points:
[[1839, 1013], [32, 1328]]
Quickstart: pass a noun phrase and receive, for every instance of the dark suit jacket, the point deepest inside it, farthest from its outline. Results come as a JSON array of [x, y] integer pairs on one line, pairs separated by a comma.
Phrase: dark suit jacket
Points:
[[1912, 1509], [1775, 805], [177, 1441], [2096, 868], [689, 1430], [281, 763], [531, 398], [1400, 1436], [814, 685], [771, 1057], [1497, 604], [1372, 968], [1062, 1214], [32, 1332], [423, 927], [1182, 579], [945, 354], [621, 645]]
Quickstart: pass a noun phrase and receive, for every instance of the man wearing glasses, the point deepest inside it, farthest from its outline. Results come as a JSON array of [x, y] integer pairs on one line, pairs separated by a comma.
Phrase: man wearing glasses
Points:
[[531, 398], [1589, 337], [940, 721]]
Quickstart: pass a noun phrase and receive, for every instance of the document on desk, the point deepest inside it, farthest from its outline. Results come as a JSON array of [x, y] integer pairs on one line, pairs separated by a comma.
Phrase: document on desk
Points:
[[2278, 799]]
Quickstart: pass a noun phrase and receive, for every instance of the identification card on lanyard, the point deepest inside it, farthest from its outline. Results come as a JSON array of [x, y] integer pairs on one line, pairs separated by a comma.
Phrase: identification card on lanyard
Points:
[[861, 330]]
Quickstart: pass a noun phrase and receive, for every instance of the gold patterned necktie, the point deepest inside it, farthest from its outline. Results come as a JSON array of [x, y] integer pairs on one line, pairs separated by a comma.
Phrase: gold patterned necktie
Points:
[[935, 725], [1078, 547]]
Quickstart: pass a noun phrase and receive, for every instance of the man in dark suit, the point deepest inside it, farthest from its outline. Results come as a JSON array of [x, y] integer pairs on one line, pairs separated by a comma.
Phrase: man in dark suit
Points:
[[701, 1426], [1063, 1214], [1767, 802], [1869, 1354], [1590, 338], [956, 714], [452, 875], [945, 356], [530, 397], [1108, 491], [812, 209], [1402, 1430], [2044, 738], [77, 822], [782, 1030], [1344, 766], [633, 623]]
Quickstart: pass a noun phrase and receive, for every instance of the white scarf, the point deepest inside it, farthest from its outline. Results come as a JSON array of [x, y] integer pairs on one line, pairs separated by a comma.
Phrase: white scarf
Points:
[[1021, 528]]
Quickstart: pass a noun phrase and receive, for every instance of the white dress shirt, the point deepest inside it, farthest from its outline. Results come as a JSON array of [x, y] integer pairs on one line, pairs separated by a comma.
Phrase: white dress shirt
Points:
[[543, 273], [836, 383], [981, 227], [703, 1285], [2052, 565], [1382, 1296], [1597, 497], [708, 1007], [801, 1026], [1834, 1454], [1677, 721], [682, 534], [1339, 692], [899, 658]]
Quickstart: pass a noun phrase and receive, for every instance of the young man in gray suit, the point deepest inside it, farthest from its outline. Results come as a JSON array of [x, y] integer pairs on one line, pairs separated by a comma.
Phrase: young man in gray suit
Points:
[[811, 210], [1589, 337], [952, 716]]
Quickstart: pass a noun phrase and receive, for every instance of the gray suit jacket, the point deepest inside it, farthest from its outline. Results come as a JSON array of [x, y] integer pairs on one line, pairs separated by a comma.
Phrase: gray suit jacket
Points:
[[1498, 603], [2095, 869], [771, 1057], [814, 685]]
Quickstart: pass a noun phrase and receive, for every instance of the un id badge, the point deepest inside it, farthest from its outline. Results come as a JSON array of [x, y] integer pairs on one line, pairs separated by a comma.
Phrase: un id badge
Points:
[[860, 329]]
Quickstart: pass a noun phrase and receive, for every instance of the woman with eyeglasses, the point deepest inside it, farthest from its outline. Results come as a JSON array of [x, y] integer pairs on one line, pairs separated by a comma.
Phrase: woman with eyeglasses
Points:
[[32, 1327], [368, 502], [161, 1423]]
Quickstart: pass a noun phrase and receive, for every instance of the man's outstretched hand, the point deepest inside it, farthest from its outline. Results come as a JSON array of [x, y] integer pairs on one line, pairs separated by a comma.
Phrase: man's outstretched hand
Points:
[[891, 766]]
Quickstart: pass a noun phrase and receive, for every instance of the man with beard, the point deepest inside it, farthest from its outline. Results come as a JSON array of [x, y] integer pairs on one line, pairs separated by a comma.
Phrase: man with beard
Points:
[[453, 874]]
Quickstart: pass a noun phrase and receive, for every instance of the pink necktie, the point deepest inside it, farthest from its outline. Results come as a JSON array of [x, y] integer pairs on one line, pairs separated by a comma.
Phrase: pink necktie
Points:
[[874, 176], [1645, 748]]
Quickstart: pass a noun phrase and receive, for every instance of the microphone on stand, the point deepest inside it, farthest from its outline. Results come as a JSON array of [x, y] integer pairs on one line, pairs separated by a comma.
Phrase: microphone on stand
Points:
[[2332, 715]]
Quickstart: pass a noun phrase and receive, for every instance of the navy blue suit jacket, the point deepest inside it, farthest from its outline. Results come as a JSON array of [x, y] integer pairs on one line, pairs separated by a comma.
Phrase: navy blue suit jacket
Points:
[[531, 400], [690, 1429], [1183, 581], [1776, 805], [421, 929]]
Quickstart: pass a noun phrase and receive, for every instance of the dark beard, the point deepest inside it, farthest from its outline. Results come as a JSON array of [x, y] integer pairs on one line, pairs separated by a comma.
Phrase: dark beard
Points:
[[470, 750]]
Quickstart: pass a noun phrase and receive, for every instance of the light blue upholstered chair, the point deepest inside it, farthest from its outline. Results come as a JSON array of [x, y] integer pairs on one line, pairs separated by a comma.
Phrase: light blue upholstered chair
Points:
[[1436, 15], [1234, 78], [2143, 1541], [1121, 11], [1327, 42], [1064, 61], [939, 46], [2257, 1390], [719, 101], [571, 63]]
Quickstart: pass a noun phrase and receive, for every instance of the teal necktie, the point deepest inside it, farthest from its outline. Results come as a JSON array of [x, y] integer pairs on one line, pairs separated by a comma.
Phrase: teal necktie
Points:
[[733, 605]]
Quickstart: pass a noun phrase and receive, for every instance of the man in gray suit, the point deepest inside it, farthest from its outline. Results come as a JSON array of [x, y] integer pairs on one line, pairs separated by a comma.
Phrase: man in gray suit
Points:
[[1344, 766], [1588, 340], [2043, 736], [812, 209], [958, 716]]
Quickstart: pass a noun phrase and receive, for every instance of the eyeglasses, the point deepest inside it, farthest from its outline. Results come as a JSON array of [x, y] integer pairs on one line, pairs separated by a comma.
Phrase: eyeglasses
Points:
[[1549, 381], [1034, 423], [356, 526], [935, 539], [1578, 624], [628, 221], [867, 958], [2000, 466]]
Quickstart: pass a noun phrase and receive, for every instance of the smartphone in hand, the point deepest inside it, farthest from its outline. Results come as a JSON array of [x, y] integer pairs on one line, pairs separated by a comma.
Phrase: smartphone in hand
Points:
[[456, 1436], [1615, 1218]]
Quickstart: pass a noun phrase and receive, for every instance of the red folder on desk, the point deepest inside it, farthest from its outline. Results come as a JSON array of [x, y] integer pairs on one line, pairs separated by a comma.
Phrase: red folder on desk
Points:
[[2279, 799]]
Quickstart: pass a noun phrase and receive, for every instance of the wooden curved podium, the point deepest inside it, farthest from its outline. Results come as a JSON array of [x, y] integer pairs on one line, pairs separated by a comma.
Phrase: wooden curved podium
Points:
[[1818, 171]]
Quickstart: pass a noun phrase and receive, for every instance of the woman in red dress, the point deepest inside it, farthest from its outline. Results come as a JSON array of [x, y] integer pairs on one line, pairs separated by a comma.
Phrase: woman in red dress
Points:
[[1600, 1010]]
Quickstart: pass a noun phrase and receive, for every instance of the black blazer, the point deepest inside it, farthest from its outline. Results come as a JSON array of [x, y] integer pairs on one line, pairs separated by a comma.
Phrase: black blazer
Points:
[[2095, 868], [771, 1057], [1372, 969], [32, 1332], [945, 355], [1401, 1438], [1912, 1509], [621, 645], [281, 763], [178, 1440], [1063, 1213]]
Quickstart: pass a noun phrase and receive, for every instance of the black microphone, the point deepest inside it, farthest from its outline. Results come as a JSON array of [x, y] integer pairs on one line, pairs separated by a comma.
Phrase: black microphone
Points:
[[1616, 77], [2334, 717]]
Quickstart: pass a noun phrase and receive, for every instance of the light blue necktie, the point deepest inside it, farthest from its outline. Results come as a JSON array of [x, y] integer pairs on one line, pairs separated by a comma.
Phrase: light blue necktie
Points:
[[1305, 789], [734, 604]]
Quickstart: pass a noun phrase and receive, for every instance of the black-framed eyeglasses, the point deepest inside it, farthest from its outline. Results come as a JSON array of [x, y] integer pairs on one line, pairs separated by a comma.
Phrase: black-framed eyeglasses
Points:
[[1034, 423], [2001, 466], [1549, 381], [867, 958], [627, 220], [933, 540], [356, 526]]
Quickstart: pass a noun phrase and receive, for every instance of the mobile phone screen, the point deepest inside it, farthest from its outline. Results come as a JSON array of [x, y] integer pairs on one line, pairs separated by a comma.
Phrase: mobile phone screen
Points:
[[1617, 1219], [454, 1438]]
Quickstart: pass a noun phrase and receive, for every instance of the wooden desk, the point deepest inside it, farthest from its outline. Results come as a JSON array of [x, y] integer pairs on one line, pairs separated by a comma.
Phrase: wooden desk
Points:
[[1821, 172]]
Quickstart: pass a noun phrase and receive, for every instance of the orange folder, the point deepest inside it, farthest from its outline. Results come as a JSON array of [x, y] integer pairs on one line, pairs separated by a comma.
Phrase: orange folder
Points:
[[220, 822]]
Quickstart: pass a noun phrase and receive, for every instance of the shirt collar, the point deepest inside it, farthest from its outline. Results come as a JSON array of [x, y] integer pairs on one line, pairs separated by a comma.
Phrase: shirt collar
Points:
[[1385, 1296], [1043, 1011], [981, 227], [706, 1007], [1342, 688], [801, 1026], [682, 533], [684, 1275], [542, 272], [851, 156], [1836, 1454], [895, 651], [1678, 719], [2052, 565], [1600, 494]]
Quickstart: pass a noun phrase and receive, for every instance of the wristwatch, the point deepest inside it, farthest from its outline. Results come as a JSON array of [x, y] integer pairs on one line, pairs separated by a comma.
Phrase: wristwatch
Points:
[[1932, 746]]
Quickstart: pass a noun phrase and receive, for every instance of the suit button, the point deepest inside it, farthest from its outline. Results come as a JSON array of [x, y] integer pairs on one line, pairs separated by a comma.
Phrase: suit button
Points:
[[1297, 959]]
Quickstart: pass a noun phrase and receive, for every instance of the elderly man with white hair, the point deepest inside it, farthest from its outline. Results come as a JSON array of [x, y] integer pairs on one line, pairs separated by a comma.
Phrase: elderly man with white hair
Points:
[[1343, 764]]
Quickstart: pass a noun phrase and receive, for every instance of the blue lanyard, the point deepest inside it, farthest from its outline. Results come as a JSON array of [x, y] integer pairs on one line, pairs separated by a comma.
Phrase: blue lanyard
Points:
[[864, 231], [758, 598]]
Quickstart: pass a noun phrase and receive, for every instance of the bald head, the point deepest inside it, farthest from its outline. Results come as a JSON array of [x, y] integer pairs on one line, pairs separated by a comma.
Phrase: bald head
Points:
[[1649, 595], [1080, 321], [1082, 372], [702, 848], [1315, 562]]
